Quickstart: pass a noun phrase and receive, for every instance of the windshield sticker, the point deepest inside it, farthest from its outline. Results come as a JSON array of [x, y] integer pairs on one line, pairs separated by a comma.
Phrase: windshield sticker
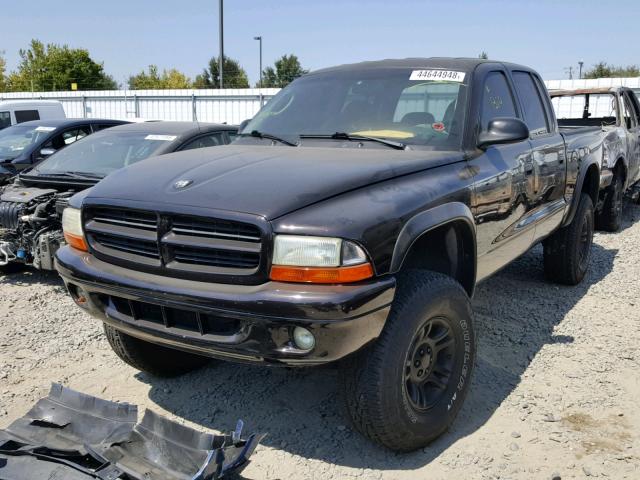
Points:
[[45, 129], [439, 75], [438, 126], [162, 138]]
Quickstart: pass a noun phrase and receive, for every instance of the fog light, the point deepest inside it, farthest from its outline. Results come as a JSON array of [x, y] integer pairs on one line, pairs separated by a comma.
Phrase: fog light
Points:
[[303, 338]]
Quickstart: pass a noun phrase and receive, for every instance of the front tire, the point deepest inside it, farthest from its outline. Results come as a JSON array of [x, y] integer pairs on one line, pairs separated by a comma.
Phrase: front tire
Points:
[[568, 251], [610, 218], [151, 358], [407, 388]]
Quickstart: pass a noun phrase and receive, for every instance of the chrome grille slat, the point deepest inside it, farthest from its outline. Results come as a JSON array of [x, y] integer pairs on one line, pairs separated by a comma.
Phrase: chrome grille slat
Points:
[[216, 234], [126, 223]]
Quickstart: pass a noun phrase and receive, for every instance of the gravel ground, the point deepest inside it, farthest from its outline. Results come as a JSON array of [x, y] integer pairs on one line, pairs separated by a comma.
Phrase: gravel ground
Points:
[[555, 390]]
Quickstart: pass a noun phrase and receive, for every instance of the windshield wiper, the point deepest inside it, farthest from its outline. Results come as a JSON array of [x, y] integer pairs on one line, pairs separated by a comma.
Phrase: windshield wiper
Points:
[[268, 136], [79, 175], [350, 137]]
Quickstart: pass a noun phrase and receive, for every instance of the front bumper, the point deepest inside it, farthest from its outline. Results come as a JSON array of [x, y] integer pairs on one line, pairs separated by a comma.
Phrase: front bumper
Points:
[[251, 323]]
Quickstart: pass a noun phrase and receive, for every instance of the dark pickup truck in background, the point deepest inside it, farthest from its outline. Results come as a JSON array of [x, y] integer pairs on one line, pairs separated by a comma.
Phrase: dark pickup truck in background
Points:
[[615, 113], [350, 221]]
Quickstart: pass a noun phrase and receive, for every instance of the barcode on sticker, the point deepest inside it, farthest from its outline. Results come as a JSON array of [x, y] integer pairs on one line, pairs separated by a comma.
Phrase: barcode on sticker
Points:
[[162, 138], [45, 129], [442, 75]]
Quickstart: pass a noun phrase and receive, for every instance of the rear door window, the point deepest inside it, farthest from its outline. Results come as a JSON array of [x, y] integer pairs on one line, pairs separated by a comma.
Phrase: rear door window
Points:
[[26, 115], [534, 114], [497, 99], [210, 140], [5, 119]]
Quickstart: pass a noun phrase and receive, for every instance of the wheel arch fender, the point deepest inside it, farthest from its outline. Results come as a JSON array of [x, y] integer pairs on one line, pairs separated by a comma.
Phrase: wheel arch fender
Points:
[[589, 182], [450, 217]]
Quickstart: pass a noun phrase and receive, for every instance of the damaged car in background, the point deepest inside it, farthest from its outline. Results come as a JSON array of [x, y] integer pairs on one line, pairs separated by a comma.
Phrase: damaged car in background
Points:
[[31, 207], [615, 113], [69, 435]]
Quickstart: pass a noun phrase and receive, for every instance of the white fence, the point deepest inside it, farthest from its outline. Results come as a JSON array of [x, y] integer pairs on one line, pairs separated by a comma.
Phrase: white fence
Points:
[[230, 105], [631, 82]]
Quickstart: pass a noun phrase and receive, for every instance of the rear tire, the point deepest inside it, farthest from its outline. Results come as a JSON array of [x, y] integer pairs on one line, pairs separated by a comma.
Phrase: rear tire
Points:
[[610, 218], [568, 251], [151, 358], [406, 389]]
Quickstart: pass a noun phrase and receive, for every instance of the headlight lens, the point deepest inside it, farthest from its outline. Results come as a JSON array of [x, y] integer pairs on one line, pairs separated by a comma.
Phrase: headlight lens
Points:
[[307, 251], [308, 259], [72, 228]]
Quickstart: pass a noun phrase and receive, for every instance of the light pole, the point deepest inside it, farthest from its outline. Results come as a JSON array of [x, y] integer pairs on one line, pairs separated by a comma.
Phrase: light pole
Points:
[[580, 63], [260, 40], [221, 31]]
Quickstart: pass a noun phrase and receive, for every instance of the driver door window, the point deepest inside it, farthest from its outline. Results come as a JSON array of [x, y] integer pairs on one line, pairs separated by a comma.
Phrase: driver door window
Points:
[[497, 99], [67, 138]]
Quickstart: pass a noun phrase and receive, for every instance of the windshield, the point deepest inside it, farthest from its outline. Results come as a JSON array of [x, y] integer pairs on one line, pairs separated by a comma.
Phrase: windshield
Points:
[[13, 140], [415, 107], [102, 153]]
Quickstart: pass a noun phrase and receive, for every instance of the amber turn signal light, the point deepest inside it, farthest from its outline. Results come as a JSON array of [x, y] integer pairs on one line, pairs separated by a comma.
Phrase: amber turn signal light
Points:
[[350, 274], [76, 241]]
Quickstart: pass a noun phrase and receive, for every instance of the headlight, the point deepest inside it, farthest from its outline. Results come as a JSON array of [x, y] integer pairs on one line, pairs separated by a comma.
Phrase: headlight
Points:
[[318, 260], [72, 228]]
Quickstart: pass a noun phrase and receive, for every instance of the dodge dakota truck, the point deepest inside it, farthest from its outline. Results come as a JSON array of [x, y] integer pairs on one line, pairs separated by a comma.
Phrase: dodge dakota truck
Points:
[[614, 111], [350, 222], [31, 207]]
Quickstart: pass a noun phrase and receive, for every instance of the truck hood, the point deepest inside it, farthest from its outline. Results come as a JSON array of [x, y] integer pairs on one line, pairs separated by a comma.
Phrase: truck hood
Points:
[[269, 181]]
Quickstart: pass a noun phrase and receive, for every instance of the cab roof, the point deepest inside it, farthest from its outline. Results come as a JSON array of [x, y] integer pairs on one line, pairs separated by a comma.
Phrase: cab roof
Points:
[[460, 63], [172, 128], [69, 122]]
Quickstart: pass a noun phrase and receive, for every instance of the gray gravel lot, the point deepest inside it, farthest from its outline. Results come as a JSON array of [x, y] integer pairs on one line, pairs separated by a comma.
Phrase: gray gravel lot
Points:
[[555, 391]]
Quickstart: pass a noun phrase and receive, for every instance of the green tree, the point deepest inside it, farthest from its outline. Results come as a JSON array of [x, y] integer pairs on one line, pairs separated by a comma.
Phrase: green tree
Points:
[[285, 70], [604, 70], [234, 75], [3, 72], [54, 67], [153, 80], [484, 55]]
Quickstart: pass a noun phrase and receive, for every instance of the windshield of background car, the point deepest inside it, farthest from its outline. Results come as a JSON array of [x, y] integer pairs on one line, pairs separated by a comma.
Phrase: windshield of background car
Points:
[[103, 153], [416, 107], [13, 140]]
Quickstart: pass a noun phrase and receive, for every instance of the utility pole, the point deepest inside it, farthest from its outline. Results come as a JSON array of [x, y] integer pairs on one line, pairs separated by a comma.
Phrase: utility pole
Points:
[[580, 63], [260, 40], [221, 30], [569, 70]]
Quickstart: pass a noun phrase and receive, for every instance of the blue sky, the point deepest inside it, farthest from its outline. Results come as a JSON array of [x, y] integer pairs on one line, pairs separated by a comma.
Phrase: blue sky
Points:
[[129, 35]]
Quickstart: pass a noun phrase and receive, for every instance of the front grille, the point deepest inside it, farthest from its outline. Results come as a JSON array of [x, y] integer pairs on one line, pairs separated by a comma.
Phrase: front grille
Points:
[[176, 244], [172, 318]]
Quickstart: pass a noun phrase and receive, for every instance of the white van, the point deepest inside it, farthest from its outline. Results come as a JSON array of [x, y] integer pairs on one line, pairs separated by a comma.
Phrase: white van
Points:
[[18, 111]]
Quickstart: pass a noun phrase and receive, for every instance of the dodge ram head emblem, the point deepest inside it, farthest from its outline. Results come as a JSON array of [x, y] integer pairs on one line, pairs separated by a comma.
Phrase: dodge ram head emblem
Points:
[[182, 184]]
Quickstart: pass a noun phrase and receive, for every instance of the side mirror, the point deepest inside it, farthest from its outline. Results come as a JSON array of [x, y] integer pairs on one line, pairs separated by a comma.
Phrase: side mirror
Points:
[[503, 130], [45, 152], [243, 124]]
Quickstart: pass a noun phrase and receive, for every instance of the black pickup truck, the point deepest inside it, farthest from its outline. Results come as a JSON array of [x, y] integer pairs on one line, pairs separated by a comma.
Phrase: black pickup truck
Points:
[[350, 221]]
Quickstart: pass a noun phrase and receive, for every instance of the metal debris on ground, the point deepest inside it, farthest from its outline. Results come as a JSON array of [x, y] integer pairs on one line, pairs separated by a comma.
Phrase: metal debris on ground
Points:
[[75, 436]]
